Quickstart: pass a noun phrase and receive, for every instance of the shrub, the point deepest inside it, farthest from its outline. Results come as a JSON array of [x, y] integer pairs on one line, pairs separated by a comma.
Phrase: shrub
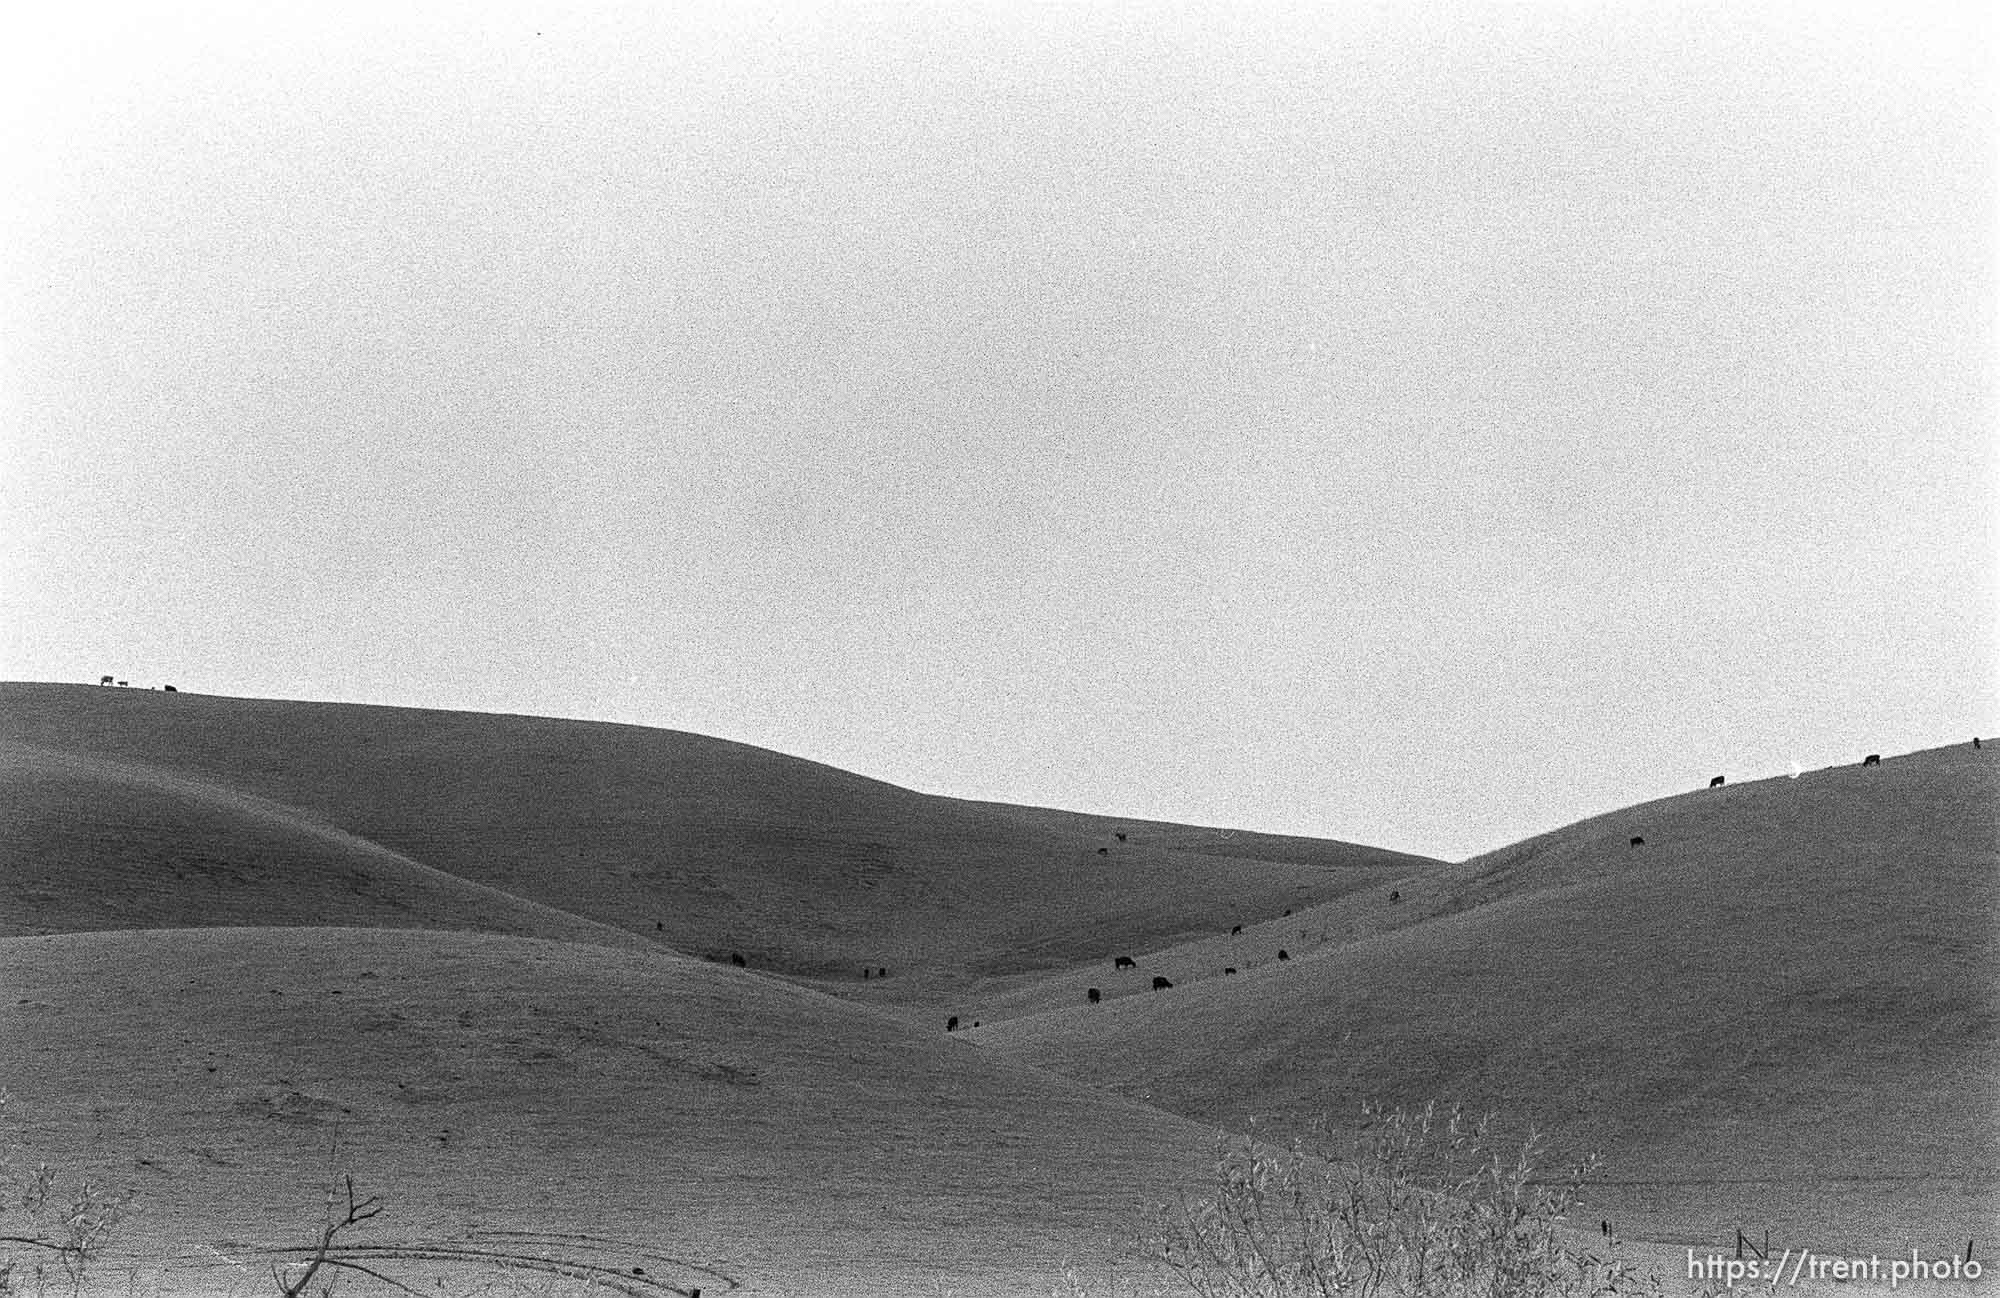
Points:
[[48, 1231], [1427, 1207]]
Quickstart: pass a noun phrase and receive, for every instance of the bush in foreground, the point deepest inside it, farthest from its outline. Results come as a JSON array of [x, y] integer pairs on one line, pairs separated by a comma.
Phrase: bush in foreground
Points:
[[50, 1233], [1427, 1207]]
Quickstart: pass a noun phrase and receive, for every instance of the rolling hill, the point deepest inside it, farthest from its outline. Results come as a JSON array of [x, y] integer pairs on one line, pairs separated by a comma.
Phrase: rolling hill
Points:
[[701, 845], [559, 1108], [482, 962], [1778, 1011]]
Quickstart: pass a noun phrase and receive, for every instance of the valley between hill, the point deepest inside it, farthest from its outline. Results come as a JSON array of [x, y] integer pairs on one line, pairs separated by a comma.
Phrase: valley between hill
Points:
[[487, 963]]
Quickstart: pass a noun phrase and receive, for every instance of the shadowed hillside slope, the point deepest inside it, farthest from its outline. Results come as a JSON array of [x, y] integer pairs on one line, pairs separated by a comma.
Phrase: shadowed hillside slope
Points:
[[701, 844], [514, 1098], [1778, 1011], [90, 844]]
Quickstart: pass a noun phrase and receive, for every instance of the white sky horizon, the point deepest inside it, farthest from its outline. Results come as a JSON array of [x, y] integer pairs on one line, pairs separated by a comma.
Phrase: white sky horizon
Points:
[[1417, 425]]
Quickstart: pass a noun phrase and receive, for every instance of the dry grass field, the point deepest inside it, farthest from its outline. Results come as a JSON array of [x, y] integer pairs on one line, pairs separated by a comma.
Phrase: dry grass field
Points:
[[483, 964]]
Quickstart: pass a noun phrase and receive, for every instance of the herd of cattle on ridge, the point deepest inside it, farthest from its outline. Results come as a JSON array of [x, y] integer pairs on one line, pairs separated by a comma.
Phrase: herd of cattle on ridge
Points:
[[1095, 995]]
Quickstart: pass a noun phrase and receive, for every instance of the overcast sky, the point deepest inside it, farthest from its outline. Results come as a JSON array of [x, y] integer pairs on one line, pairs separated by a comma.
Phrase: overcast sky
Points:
[[1417, 424]]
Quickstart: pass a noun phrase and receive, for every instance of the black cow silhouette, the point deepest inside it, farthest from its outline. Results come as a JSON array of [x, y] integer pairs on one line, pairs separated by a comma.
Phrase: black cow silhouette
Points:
[[1104, 851], [951, 1024], [1975, 741], [1284, 954], [1715, 783], [1124, 962], [1394, 896], [104, 680], [169, 689], [1095, 995], [1235, 929], [1121, 838], [1637, 841], [736, 958], [1160, 984], [1873, 759], [1230, 970]]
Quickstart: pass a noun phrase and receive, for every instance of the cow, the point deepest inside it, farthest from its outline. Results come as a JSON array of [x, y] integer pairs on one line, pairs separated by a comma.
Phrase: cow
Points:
[[1160, 984], [1288, 912], [865, 973], [1235, 929], [1104, 851], [122, 684], [1121, 838], [104, 680], [736, 958], [951, 1024], [1284, 954], [882, 971], [1230, 969], [1124, 962], [1873, 759], [1094, 994], [169, 689], [1394, 896], [658, 927], [1638, 841], [1975, 741], [1715, 783]]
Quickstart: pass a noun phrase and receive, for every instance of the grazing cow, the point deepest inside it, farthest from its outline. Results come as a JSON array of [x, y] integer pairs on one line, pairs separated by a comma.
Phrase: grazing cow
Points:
[[122, 684], [1638, 841], [658, 927], [736, 958], [951, 1024], [104, 680], [1095, 995], [1121, 838], [1288, 912], [1104, 851], [1715, 783], [1230, 970], [1873, 759], [1160, 984], [1124, 962], [169, 689], [865, 972], [1394, 896], [1284, 954], [882, 971], [1235, 929]]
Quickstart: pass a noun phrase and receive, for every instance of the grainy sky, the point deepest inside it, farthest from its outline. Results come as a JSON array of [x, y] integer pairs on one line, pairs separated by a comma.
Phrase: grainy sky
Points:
[[1418, 424]]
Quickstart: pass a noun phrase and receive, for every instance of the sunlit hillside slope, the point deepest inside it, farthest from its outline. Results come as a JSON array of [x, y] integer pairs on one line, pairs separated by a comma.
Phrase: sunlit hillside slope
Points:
[[699, 844], [586, 1110], [1778, 1011]]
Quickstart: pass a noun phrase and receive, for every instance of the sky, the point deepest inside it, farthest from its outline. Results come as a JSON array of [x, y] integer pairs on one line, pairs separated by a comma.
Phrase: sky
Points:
[[1422, 425]]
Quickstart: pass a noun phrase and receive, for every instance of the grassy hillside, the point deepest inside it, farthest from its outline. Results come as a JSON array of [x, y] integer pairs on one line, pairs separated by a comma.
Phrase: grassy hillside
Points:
[[88, 843], [696, 843], [519, 1098], [1779, 1011]]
